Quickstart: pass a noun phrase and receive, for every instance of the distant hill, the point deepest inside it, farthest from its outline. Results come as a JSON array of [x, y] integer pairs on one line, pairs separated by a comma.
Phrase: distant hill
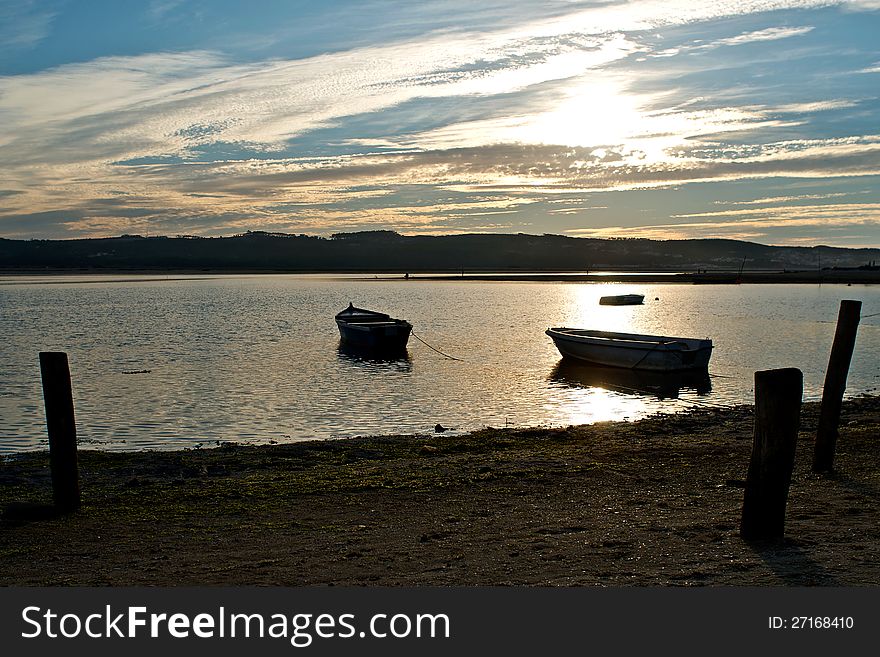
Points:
[[387, 251]]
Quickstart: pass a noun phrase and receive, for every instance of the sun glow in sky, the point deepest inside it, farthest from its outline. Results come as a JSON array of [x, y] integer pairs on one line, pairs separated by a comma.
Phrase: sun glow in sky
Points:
[[747, 119]]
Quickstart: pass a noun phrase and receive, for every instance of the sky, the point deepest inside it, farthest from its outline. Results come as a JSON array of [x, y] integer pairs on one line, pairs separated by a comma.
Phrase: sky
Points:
[[742, 119]]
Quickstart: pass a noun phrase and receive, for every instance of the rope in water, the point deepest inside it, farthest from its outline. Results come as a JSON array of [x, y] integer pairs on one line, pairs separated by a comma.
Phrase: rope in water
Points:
[[413, 333], [834, 321]]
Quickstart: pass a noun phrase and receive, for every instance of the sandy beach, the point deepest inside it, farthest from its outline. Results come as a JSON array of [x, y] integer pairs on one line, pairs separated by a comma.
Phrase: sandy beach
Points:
[[650, 503]]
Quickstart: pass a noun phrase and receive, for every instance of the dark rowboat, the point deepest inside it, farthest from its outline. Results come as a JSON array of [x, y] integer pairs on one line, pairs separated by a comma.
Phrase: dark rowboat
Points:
[[622, 300], [368, 329]]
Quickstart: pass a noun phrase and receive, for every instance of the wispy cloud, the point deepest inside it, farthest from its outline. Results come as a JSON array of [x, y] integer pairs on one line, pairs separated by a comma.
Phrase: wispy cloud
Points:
[[816, 106], [24, 24], [782, 199], [496, 120], [755, 36], [768, 34], [304, 191], [858, 213], [756, 223], [159, 9], [862, 5]]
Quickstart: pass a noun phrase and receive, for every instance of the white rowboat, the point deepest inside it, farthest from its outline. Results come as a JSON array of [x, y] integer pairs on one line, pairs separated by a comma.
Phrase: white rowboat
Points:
[[632, 351]]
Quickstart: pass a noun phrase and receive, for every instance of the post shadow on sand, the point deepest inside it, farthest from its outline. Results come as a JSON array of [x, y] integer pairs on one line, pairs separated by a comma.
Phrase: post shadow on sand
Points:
[[792, 563], [662, 385], [858, 487], [790, 559]]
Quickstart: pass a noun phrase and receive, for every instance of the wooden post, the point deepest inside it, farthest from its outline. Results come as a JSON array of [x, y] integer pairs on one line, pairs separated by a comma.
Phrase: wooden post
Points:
[[835, 384], [778, 396], [61, 426]]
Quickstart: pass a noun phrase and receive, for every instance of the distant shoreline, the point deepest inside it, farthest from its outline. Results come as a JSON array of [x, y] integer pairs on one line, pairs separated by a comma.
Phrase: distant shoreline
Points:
[[707, 277]]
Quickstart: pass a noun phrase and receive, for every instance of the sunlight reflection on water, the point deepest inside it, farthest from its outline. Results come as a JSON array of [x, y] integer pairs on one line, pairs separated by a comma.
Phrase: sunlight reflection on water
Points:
[[173, 363]]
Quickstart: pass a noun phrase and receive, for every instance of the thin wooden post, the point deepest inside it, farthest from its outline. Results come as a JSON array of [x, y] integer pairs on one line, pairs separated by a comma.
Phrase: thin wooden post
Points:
[[778, 396], [835, 384], [61, 426]]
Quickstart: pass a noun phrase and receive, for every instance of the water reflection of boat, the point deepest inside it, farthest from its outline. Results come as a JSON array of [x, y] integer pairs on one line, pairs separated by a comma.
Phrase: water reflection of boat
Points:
[[663, 385], [380, 360], [622, 300], [631, 350], [373, 330]]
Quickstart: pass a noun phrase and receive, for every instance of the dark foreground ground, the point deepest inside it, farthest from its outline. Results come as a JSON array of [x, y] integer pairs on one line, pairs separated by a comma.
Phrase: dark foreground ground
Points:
[[655, 502]]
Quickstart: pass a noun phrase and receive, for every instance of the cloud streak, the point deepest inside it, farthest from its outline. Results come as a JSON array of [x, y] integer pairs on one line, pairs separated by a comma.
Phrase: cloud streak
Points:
[[497, 120], [23, 25], [814, 220]]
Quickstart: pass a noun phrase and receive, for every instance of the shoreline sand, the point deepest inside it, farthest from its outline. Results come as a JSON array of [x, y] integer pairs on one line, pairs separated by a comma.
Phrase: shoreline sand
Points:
[[650, 503]]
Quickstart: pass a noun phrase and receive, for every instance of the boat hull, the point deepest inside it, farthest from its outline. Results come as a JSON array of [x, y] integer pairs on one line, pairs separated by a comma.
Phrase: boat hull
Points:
[[632, 351], [622, 300], [385, 336], [371, 330]]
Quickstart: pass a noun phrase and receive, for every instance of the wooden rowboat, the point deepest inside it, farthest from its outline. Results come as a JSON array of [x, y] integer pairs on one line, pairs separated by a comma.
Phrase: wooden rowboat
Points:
[[632, 351], [369, 329], [622, 300]]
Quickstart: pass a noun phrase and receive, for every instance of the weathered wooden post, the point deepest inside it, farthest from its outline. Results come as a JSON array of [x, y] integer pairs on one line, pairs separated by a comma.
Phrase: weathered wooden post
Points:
[[60, 423], [778, 396], [835, 384]]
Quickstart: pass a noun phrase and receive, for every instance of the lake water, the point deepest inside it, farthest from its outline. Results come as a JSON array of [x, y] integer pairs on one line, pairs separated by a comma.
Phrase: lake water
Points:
[[166, 363]]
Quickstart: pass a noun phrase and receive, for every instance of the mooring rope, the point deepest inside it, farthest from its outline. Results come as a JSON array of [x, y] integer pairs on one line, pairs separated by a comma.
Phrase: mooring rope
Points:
[[413, 333], [722, 376], [613, 387], [648, 353]]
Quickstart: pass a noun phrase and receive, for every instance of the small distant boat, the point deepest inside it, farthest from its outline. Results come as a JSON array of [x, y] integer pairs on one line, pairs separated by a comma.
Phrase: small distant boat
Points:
[[632, 351], [622, 300], [372, 330]]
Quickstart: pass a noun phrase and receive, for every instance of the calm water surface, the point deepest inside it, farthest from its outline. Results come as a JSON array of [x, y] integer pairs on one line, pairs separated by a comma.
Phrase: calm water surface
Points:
[[173, 363]]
